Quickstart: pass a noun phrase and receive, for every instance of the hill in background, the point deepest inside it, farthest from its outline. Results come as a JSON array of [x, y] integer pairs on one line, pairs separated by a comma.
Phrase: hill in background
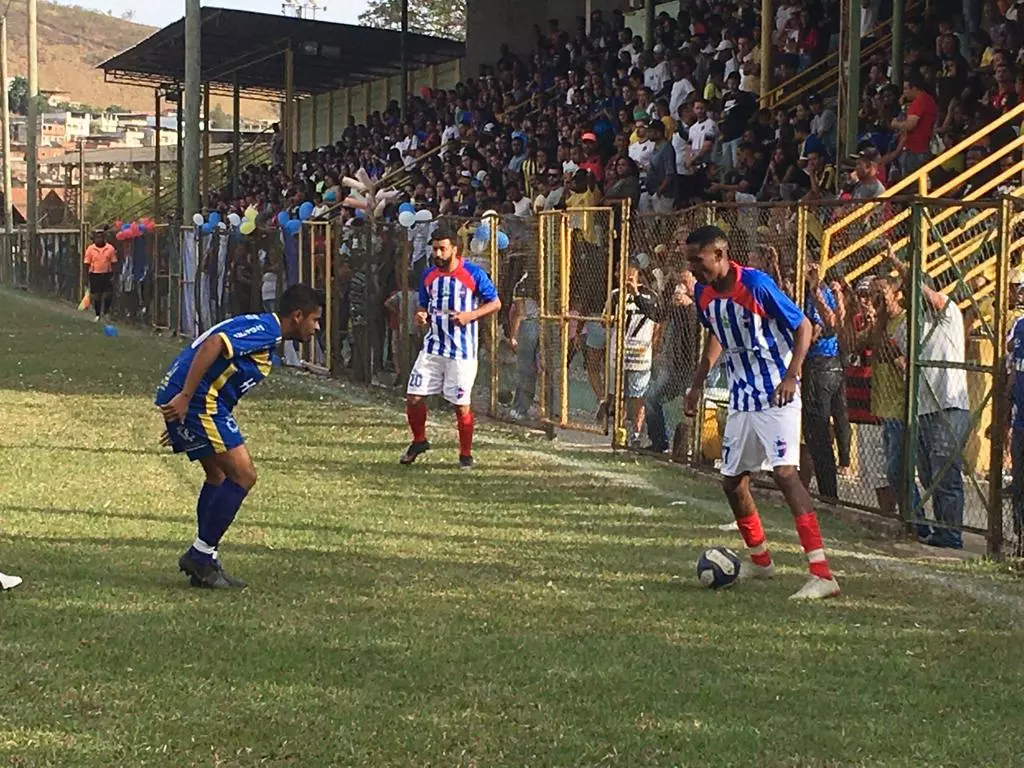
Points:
[[73, 41]]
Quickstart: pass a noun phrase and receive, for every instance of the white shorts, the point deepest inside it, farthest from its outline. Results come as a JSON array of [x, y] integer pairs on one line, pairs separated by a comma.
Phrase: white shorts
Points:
[[436, 375], [756, 440]]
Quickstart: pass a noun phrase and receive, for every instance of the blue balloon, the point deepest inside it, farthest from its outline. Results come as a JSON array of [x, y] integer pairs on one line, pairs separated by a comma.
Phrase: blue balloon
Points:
[[207, 228], [293, 227], [329, 196], [283, 218], [360, 213], [502, 241], [483, 232], [407, 207], [213, 218], [109, 330], [143, 228], [125, 227], [305, 210]]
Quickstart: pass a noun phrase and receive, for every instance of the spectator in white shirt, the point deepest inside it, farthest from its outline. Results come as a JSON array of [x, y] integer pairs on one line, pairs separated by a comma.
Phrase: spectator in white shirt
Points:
[[657, 72], [681, 85], [408, 142], [641, 150], [521, 206]]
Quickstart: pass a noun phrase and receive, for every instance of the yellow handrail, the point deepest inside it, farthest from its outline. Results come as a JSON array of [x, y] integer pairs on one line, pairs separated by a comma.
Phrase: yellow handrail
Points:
[[778, 94], [1014, 114]]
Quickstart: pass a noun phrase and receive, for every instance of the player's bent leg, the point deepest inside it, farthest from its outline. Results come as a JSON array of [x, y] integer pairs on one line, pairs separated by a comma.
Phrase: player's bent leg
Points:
[[748, 521], [822, 584]]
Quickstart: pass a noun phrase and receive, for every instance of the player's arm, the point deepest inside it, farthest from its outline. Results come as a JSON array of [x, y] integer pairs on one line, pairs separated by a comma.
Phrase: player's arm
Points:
[[712, 351], [487, 293], [936, 299], [205, 357]]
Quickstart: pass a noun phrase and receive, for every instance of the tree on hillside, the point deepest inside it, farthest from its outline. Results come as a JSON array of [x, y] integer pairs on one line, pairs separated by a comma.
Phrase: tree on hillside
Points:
[[110, 199], [17, 94], [430, 17], [218, 117]]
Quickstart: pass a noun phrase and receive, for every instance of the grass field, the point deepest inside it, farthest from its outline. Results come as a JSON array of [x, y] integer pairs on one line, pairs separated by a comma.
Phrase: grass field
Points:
[[541, 611]]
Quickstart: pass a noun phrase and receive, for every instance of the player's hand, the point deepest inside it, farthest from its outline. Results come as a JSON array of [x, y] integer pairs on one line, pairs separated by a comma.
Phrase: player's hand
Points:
[[165, 439], [462, 318], [691, 401], [176, 409], [420, 318], [514, 344], [785, 392]]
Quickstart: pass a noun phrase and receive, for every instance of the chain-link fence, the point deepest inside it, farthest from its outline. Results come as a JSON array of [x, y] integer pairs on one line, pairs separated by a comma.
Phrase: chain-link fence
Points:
[[579, 285]]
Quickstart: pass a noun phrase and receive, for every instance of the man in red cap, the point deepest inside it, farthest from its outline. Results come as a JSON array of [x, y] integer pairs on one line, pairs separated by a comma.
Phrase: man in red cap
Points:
[[591, 157]]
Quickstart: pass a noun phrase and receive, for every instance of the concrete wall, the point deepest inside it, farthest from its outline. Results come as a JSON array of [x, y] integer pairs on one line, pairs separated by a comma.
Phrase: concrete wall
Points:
[[316, 127], [489, 23]]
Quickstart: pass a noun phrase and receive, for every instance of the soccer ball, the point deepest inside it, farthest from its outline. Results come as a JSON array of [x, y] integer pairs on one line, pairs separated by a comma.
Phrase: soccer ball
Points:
[[718, 567]]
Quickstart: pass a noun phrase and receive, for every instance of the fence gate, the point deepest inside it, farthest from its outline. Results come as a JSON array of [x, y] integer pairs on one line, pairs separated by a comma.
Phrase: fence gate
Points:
[[956, 410], [316, 268], [581, 254]]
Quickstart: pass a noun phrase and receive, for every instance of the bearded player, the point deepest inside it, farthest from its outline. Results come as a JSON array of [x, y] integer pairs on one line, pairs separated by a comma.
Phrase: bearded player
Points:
[[454, 295], [765, 338], [197, 397]]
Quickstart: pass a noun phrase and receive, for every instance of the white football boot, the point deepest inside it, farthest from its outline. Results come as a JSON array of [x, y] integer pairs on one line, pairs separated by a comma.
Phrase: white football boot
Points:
[[816, 588]]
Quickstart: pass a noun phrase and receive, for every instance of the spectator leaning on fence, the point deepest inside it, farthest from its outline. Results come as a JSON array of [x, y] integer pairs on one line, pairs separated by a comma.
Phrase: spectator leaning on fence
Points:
[[942, 410]]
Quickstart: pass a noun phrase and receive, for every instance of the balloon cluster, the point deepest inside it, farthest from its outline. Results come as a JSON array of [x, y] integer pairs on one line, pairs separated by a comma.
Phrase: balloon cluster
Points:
[[482, 235], [129, 230], [292, 226], [364, 196], [214, 222], [409, 216]]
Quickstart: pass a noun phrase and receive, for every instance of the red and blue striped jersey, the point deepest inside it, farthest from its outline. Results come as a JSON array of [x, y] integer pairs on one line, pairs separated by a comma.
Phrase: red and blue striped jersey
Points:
[[755, 322], [249, 343], [442, 295]]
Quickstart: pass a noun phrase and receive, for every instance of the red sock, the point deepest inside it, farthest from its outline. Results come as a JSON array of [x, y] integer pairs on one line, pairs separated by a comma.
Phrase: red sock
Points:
[[417, 415], [810, 540], [753, 537], [465, 422]]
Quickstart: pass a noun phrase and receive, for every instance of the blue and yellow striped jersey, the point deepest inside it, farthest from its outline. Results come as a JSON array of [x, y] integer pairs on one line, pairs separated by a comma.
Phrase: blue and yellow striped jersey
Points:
[[249, 343]]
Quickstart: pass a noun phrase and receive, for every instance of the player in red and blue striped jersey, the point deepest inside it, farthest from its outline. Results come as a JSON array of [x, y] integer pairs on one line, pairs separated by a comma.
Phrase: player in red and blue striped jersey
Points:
[[197, 396], [453, 296], [764, 337]]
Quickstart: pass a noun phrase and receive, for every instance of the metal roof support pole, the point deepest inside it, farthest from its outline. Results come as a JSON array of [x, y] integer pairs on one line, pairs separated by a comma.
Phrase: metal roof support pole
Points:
[[404, 90], [157, 138], [179, 157], [767, 25], [286, 112], [206, 146], [236, 137], [193, 59]]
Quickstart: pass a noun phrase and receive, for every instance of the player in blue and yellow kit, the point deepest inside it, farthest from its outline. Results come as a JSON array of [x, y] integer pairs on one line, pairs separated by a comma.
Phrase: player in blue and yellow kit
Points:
[[196, 397]]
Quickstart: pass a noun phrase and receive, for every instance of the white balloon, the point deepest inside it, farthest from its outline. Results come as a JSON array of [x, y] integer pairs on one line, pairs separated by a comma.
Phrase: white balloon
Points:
[[407, 218], [222, 226], [477, 246], [424, 216], [198, 219], [235, 219]]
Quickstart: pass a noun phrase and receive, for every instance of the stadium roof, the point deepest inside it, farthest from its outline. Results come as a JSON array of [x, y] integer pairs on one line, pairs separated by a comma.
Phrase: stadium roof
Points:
[[327, 56]]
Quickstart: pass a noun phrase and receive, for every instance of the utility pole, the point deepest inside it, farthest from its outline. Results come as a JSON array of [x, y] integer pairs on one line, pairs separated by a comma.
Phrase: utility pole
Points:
[[8, 213], [32, 150], [190, 171]]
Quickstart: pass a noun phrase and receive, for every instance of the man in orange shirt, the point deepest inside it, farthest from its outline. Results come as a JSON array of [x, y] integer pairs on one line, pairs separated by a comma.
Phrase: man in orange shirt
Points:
[[100, 258]]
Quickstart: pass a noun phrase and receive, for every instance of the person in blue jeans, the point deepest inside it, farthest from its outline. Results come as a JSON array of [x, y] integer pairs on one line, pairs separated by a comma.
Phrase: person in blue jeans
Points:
[[942, 410], [1015, 388], [680, 347], [524, 338]]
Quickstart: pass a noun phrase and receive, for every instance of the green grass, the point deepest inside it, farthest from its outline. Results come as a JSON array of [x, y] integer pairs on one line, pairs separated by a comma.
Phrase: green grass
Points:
[[541, 611]]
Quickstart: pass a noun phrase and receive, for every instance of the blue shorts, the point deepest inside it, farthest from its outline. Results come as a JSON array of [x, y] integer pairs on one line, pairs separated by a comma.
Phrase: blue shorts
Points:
[[201, 434]]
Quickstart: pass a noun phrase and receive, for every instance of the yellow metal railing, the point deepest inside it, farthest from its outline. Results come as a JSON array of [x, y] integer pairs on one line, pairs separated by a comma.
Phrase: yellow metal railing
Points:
[[918, 182], [824, 73]]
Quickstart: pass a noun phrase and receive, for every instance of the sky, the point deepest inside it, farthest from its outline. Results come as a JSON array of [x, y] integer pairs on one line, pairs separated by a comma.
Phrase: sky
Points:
[[160, 14]]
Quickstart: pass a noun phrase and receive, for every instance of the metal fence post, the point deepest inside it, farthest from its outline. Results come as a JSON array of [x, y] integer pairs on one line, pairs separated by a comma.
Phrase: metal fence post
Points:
[[999, 380], [914, 319], [542, 301], [619, 438]]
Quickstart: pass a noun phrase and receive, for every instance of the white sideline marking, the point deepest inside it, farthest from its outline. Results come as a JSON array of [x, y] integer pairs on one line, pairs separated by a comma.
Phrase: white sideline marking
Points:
[[965, 585]]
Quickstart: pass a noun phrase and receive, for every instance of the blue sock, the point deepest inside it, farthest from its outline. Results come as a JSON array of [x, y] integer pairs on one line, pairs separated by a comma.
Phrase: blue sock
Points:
[[223, 510], [201, 550]]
